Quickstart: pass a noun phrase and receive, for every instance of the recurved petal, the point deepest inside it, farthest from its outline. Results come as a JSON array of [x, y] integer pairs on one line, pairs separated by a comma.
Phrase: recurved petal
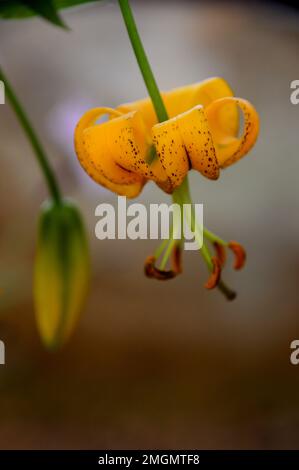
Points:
[[181, 99], [185, 142], [203, 93], [198, 143], [146, 109], [212, 89], [171, 152], [230, 148], [131, 144], [98, 151]]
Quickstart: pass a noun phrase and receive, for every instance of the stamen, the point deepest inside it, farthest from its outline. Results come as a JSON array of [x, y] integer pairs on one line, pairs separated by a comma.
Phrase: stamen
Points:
[[152, 271], [215, 275], [229, 293], [221, 253], [240, 254], [177, 259]]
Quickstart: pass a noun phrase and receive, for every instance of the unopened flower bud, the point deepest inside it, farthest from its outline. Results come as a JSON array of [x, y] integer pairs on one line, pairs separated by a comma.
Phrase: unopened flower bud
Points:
[[61, 274]]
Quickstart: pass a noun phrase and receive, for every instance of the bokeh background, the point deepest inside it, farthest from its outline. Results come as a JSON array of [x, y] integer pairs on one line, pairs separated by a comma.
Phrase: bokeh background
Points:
[[155, 365]]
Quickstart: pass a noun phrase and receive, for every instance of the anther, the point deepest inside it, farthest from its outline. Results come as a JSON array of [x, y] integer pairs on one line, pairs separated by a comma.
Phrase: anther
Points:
[[240, 254], [152, 271], [215, 275], [220, 253]]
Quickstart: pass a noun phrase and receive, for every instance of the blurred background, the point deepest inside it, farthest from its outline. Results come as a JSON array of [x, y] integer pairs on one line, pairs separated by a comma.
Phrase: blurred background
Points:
[[155, 365]]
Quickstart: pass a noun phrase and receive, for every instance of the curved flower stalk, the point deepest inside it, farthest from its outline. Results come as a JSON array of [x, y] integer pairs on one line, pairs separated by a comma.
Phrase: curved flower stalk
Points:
[[61, 274], [201, 133]]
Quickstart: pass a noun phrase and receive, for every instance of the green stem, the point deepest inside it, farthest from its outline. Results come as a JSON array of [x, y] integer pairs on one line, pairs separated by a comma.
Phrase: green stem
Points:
[[33, 139], [142, 60], [213, 238], [159, 250], [171, 243]]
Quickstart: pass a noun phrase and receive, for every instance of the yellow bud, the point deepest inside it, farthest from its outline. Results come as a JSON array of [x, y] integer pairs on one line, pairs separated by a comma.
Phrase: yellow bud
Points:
[[61, 273]]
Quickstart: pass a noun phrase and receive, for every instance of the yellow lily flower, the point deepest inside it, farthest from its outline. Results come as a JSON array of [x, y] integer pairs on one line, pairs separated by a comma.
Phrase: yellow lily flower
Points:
[[201, 134]]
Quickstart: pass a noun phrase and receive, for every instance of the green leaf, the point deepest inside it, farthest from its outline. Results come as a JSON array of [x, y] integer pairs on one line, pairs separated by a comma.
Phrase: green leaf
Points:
[[47, 9]]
